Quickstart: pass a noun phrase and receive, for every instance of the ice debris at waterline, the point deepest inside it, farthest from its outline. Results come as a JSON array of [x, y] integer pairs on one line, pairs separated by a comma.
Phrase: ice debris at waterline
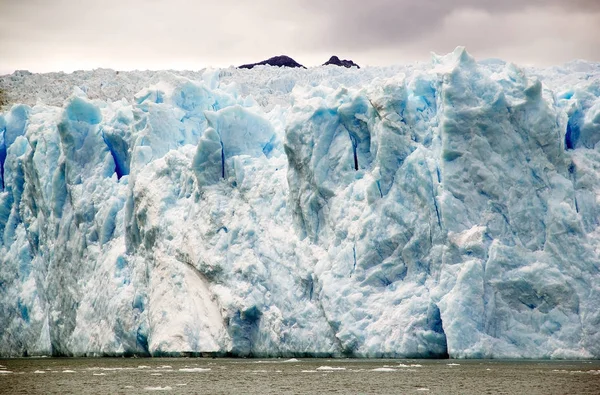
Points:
[[443, 209]]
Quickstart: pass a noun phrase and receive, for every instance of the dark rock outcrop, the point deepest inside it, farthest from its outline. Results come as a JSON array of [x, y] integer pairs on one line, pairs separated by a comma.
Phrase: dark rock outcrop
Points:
[[279, 61], [337, 62]]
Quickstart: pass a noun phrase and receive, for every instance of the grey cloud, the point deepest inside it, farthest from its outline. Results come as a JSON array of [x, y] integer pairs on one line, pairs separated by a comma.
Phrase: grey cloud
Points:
[[360, 24], [42, 34]]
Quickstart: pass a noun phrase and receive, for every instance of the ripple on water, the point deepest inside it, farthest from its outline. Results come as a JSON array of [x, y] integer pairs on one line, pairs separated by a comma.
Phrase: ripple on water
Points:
[[533, 378]]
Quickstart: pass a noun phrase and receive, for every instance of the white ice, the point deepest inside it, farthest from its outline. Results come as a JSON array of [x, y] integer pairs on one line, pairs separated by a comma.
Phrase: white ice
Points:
[[194, 370], [449, 208]]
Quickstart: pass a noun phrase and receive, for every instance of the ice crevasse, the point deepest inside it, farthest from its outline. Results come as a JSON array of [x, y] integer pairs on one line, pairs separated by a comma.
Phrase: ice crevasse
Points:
[[444, 209]]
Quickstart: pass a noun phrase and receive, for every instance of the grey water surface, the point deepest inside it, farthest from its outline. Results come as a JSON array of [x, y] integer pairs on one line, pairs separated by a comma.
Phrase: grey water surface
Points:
[[304, 376]]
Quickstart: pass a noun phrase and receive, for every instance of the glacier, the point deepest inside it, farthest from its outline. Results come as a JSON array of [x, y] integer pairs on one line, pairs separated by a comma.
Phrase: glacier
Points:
[[440, 209]]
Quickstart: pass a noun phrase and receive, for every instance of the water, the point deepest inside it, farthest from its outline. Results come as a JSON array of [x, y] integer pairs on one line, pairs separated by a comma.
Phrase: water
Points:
[[306, 376]]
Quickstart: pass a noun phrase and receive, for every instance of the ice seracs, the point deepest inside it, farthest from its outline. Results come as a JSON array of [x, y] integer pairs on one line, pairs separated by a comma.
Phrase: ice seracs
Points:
[[431, 210]]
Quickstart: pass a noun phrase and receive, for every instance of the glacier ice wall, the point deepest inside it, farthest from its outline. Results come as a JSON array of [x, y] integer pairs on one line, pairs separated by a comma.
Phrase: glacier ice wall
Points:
[[447, 209]]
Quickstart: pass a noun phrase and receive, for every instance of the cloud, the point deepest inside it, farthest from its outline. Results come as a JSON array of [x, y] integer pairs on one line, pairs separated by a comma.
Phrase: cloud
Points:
[[529, 36], [134, 33], [43, 35], [363, 25]]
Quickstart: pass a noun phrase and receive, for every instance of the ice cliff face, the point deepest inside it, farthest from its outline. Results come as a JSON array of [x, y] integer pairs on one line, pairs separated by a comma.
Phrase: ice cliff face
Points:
[[448, 209]]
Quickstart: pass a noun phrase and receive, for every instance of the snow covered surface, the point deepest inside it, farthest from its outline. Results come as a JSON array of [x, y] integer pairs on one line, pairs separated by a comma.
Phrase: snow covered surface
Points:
[[448, 208]]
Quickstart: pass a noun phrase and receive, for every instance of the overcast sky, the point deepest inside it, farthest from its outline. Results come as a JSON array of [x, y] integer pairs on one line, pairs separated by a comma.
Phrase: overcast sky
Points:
[[53, 35]]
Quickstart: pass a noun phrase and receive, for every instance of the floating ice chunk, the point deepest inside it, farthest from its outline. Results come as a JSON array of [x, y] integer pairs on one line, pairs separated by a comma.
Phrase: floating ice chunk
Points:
[[167, 388], [68, 371], [383, 370], [194, 370], [5, 371], [112, 369], [291, 360], [326, 368], [39, 372]]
